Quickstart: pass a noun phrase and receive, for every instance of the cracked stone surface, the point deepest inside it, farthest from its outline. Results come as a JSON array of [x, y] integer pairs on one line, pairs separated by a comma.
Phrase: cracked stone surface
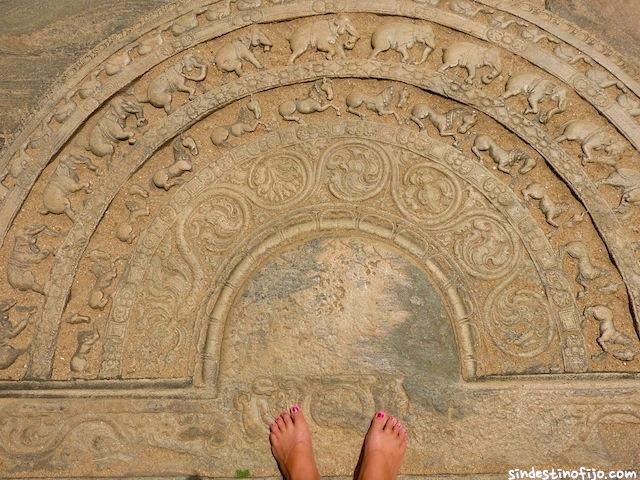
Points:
[[425, 207]]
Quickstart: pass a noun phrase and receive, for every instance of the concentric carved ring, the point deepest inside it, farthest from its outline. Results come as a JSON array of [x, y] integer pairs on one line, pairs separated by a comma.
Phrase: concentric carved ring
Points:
[[356, 170]]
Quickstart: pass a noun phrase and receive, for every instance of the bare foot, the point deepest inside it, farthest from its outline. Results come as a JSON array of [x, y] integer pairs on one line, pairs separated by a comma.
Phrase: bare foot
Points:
[[291, 446], [383, 449]]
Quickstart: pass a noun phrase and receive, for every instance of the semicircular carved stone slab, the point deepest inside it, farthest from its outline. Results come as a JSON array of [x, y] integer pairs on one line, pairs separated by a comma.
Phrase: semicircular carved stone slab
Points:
[[477, 241], [427, 207]]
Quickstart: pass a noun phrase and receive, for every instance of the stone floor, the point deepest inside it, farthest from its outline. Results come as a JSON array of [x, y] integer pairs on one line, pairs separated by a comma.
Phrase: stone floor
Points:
[[428, 207]]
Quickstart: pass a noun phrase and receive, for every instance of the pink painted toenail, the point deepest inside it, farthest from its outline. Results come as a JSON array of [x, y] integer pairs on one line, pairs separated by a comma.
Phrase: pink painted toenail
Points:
[[295, 409], [380, 415]]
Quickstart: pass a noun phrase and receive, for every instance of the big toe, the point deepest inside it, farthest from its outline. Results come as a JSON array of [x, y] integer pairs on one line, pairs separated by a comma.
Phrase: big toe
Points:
[[379, 420], [296, 414]]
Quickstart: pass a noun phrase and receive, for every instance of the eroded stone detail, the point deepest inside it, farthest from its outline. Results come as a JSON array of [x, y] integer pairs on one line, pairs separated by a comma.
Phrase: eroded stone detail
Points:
[[472, 57], [183, 149], [537, 89], [402, 36], [25, 254], [323, 35], [10, 330], [505, 159], [316, 101], [247, 121], [174, 79]]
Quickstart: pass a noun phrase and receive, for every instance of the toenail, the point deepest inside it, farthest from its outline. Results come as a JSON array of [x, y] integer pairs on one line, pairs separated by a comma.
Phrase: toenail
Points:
[[295, 409], [380, 414]]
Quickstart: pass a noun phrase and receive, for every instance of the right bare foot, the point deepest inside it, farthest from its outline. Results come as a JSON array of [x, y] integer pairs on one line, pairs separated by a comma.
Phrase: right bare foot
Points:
[[383, 449]]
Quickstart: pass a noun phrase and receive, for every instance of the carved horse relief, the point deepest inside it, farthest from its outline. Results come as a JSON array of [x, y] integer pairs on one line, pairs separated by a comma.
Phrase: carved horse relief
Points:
[[247, 121], [449, 124], [377, 103], [548, 207], [587, 271], [316, 101], [504, 159], [611, 340]]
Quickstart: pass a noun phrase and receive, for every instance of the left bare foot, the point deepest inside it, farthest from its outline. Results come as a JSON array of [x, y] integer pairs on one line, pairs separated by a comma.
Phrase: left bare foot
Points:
[[290, 439]]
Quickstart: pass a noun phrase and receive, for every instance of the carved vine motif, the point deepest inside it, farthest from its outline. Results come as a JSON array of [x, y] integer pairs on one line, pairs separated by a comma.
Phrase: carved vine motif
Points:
[[312, 135], [428, 193], [166, 286], [28, 434], [280, 178], [519, 321], [218, 222], [319, 396], [357, 171], [485, 247]]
